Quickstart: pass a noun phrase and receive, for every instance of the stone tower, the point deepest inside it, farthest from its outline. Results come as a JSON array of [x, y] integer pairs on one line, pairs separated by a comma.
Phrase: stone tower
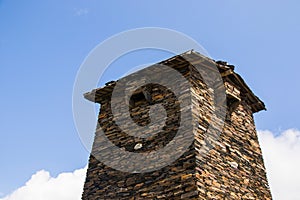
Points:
[[226, 165]]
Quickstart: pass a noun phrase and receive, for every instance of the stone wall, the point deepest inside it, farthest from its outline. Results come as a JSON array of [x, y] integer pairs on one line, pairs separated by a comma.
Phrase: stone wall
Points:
[[233, 168]]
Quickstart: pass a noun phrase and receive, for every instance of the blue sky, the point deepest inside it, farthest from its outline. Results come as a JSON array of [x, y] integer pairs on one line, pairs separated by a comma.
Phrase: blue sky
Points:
[[43, 43]]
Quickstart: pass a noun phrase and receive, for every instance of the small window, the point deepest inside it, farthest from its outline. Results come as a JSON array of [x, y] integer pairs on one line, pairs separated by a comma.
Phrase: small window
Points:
[[140, 98], [232, 104]]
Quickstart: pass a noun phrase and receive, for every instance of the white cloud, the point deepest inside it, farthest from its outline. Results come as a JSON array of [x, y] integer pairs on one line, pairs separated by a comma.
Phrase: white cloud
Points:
[[41, 186], [282, 159], [281, 156]]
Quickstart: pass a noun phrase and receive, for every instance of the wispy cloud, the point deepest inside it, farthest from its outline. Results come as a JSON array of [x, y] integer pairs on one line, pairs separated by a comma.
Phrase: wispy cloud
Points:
[[282, 159], [66, 186], [81, 11]]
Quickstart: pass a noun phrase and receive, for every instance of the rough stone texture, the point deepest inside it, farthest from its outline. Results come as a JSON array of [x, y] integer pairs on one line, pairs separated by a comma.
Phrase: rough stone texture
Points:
[[233, 168]]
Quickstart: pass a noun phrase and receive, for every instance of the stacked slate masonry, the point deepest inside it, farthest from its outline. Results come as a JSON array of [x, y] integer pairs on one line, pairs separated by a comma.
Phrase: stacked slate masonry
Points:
[[232, 169]]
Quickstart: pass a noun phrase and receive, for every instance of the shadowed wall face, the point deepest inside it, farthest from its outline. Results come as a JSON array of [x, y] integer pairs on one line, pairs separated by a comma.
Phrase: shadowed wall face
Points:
[[232, 169], [177, 180]]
